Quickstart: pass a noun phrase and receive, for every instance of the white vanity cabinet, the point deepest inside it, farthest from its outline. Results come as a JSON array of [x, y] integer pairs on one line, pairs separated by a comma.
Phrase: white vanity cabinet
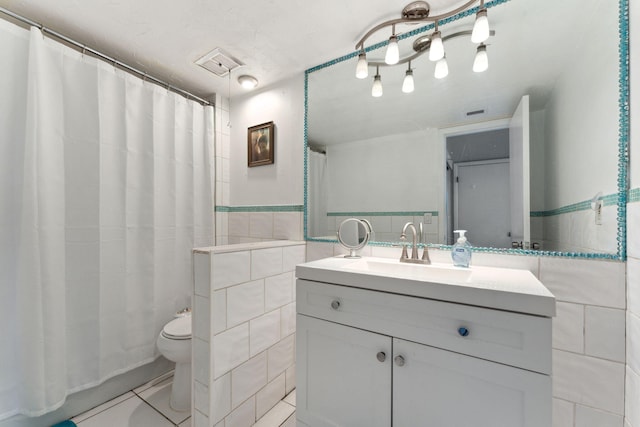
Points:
[[373, 358]]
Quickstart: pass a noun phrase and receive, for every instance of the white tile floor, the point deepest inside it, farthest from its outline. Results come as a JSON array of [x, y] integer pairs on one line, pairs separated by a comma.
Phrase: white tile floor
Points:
[[148, 406]]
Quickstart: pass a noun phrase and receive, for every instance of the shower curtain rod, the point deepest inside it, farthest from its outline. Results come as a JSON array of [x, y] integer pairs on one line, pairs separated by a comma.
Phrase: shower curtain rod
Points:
[[104, 57]]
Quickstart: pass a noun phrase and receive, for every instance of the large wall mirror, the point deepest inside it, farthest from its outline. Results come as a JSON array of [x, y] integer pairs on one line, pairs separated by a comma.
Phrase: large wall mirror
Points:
[[450, 154]]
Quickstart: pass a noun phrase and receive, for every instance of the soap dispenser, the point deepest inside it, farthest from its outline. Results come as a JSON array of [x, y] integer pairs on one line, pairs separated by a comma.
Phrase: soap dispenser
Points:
[[461, 251]]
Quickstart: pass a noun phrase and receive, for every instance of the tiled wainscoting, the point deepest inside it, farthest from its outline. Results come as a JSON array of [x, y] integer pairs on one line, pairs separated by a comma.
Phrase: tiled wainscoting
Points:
[[235, 225], [588, 331], [244, 330]]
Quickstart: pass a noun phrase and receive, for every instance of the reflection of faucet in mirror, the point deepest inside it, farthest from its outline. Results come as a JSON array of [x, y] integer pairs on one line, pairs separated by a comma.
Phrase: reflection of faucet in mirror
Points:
[[414, 247]]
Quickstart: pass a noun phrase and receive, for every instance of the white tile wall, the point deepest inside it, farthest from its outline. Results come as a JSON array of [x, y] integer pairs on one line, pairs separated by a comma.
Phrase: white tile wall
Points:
[[244, 302], [202, 325], [633, 335], [235, 362], [270, 395], [563, 413], [230, 349], [219, 308], [221, 397], [281, 356], [290, 374], [265, 332], [248, 378], [266, 262], [632, 397], [292, 256], [288, 225], [568, 327], [239, 224], [600, 283], [243, 416], [589, 417], [230, 269], [588, 380], [261, 225], [288, 319], [278, 290], [605, 333]]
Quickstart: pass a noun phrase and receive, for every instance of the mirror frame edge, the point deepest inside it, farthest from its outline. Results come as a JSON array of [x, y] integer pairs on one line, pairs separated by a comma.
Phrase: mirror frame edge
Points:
[[623, 152]]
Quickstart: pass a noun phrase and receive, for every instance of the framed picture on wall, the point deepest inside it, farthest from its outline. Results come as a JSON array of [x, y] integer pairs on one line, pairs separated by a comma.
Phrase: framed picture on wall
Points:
[[261, 144]]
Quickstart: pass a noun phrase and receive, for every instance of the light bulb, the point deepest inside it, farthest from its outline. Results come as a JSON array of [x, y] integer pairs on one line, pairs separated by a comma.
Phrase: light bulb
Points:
[[436, 51], [376, 89], [442, 69], [480, 31], [393, 51], [362, 69], [481, 62], [407, 83]]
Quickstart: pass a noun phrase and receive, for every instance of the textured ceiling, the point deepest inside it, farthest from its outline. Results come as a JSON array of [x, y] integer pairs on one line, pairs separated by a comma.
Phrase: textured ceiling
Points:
[[274, 38]]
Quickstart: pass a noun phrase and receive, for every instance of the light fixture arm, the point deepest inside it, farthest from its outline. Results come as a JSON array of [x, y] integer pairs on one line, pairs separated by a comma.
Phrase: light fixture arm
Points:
[[360, 44], [425, 49]]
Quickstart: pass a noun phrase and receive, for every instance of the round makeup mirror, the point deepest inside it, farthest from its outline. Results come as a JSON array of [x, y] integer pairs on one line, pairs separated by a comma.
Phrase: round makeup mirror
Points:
[[354, 235]]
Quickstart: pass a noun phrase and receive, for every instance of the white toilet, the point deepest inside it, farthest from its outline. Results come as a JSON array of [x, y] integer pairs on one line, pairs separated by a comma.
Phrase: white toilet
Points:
[[174, 343]]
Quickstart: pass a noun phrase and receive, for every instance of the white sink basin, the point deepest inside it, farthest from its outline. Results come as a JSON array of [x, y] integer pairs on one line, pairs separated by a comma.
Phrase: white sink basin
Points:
[[423, 272]]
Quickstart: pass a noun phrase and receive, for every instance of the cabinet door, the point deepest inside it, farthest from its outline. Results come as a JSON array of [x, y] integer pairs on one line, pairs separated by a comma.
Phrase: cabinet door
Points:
[[342, 380], [434, 387]]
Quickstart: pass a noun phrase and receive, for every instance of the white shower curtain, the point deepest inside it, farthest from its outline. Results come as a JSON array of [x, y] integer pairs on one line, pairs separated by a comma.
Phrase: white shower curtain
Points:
[[317, 194], [105, 186]]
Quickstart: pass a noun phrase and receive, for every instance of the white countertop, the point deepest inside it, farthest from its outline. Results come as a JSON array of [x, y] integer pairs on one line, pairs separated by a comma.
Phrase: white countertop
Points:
[[497, 288]]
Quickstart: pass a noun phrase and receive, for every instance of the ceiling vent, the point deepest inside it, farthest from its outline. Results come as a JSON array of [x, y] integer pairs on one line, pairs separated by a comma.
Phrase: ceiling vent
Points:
[[219, 62]]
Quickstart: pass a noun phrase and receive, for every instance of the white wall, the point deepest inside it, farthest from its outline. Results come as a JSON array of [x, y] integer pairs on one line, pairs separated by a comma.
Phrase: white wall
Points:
[[282, 182], [582, 121], [366, 175]]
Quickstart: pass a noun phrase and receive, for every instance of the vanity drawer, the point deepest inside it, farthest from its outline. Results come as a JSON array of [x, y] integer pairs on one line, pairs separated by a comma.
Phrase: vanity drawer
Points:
[[511, 338]]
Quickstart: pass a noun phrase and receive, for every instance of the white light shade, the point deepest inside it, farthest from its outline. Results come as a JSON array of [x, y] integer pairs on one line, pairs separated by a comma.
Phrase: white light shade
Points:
[[376, 89], [362, 69], [481, 62], [407, 83], [442, 69], [248, 82], [436, 50], [480, 31], [393, 51]]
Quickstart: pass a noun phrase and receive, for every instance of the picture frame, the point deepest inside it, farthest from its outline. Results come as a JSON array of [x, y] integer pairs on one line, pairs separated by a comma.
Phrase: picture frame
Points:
[[261, 144]]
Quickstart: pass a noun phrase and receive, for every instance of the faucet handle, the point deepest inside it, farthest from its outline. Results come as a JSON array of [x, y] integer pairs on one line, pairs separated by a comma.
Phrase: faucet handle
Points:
[[425, 255]]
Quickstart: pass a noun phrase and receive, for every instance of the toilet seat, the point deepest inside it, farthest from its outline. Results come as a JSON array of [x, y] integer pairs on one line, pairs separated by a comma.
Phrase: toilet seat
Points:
[[178, 329]]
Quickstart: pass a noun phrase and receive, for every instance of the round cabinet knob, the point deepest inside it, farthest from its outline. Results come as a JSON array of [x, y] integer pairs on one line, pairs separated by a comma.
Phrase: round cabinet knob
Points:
[[381, 356], [463, 332], [335, 304], [399, 360]]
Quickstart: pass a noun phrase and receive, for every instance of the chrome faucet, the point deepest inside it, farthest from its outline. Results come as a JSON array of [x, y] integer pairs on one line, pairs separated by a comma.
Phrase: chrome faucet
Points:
[[414, 247]]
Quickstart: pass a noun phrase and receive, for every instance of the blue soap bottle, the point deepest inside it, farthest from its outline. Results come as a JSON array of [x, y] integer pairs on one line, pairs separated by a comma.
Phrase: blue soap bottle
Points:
[[461, 251]]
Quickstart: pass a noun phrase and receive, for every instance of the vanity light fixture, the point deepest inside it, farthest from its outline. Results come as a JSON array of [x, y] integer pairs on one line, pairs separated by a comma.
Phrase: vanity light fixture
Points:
[[419, 12], [393, 51], [442, 68], [362, 69], [247, 82], [480, 32], [481, 61], [376, 89], [407, 83]]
